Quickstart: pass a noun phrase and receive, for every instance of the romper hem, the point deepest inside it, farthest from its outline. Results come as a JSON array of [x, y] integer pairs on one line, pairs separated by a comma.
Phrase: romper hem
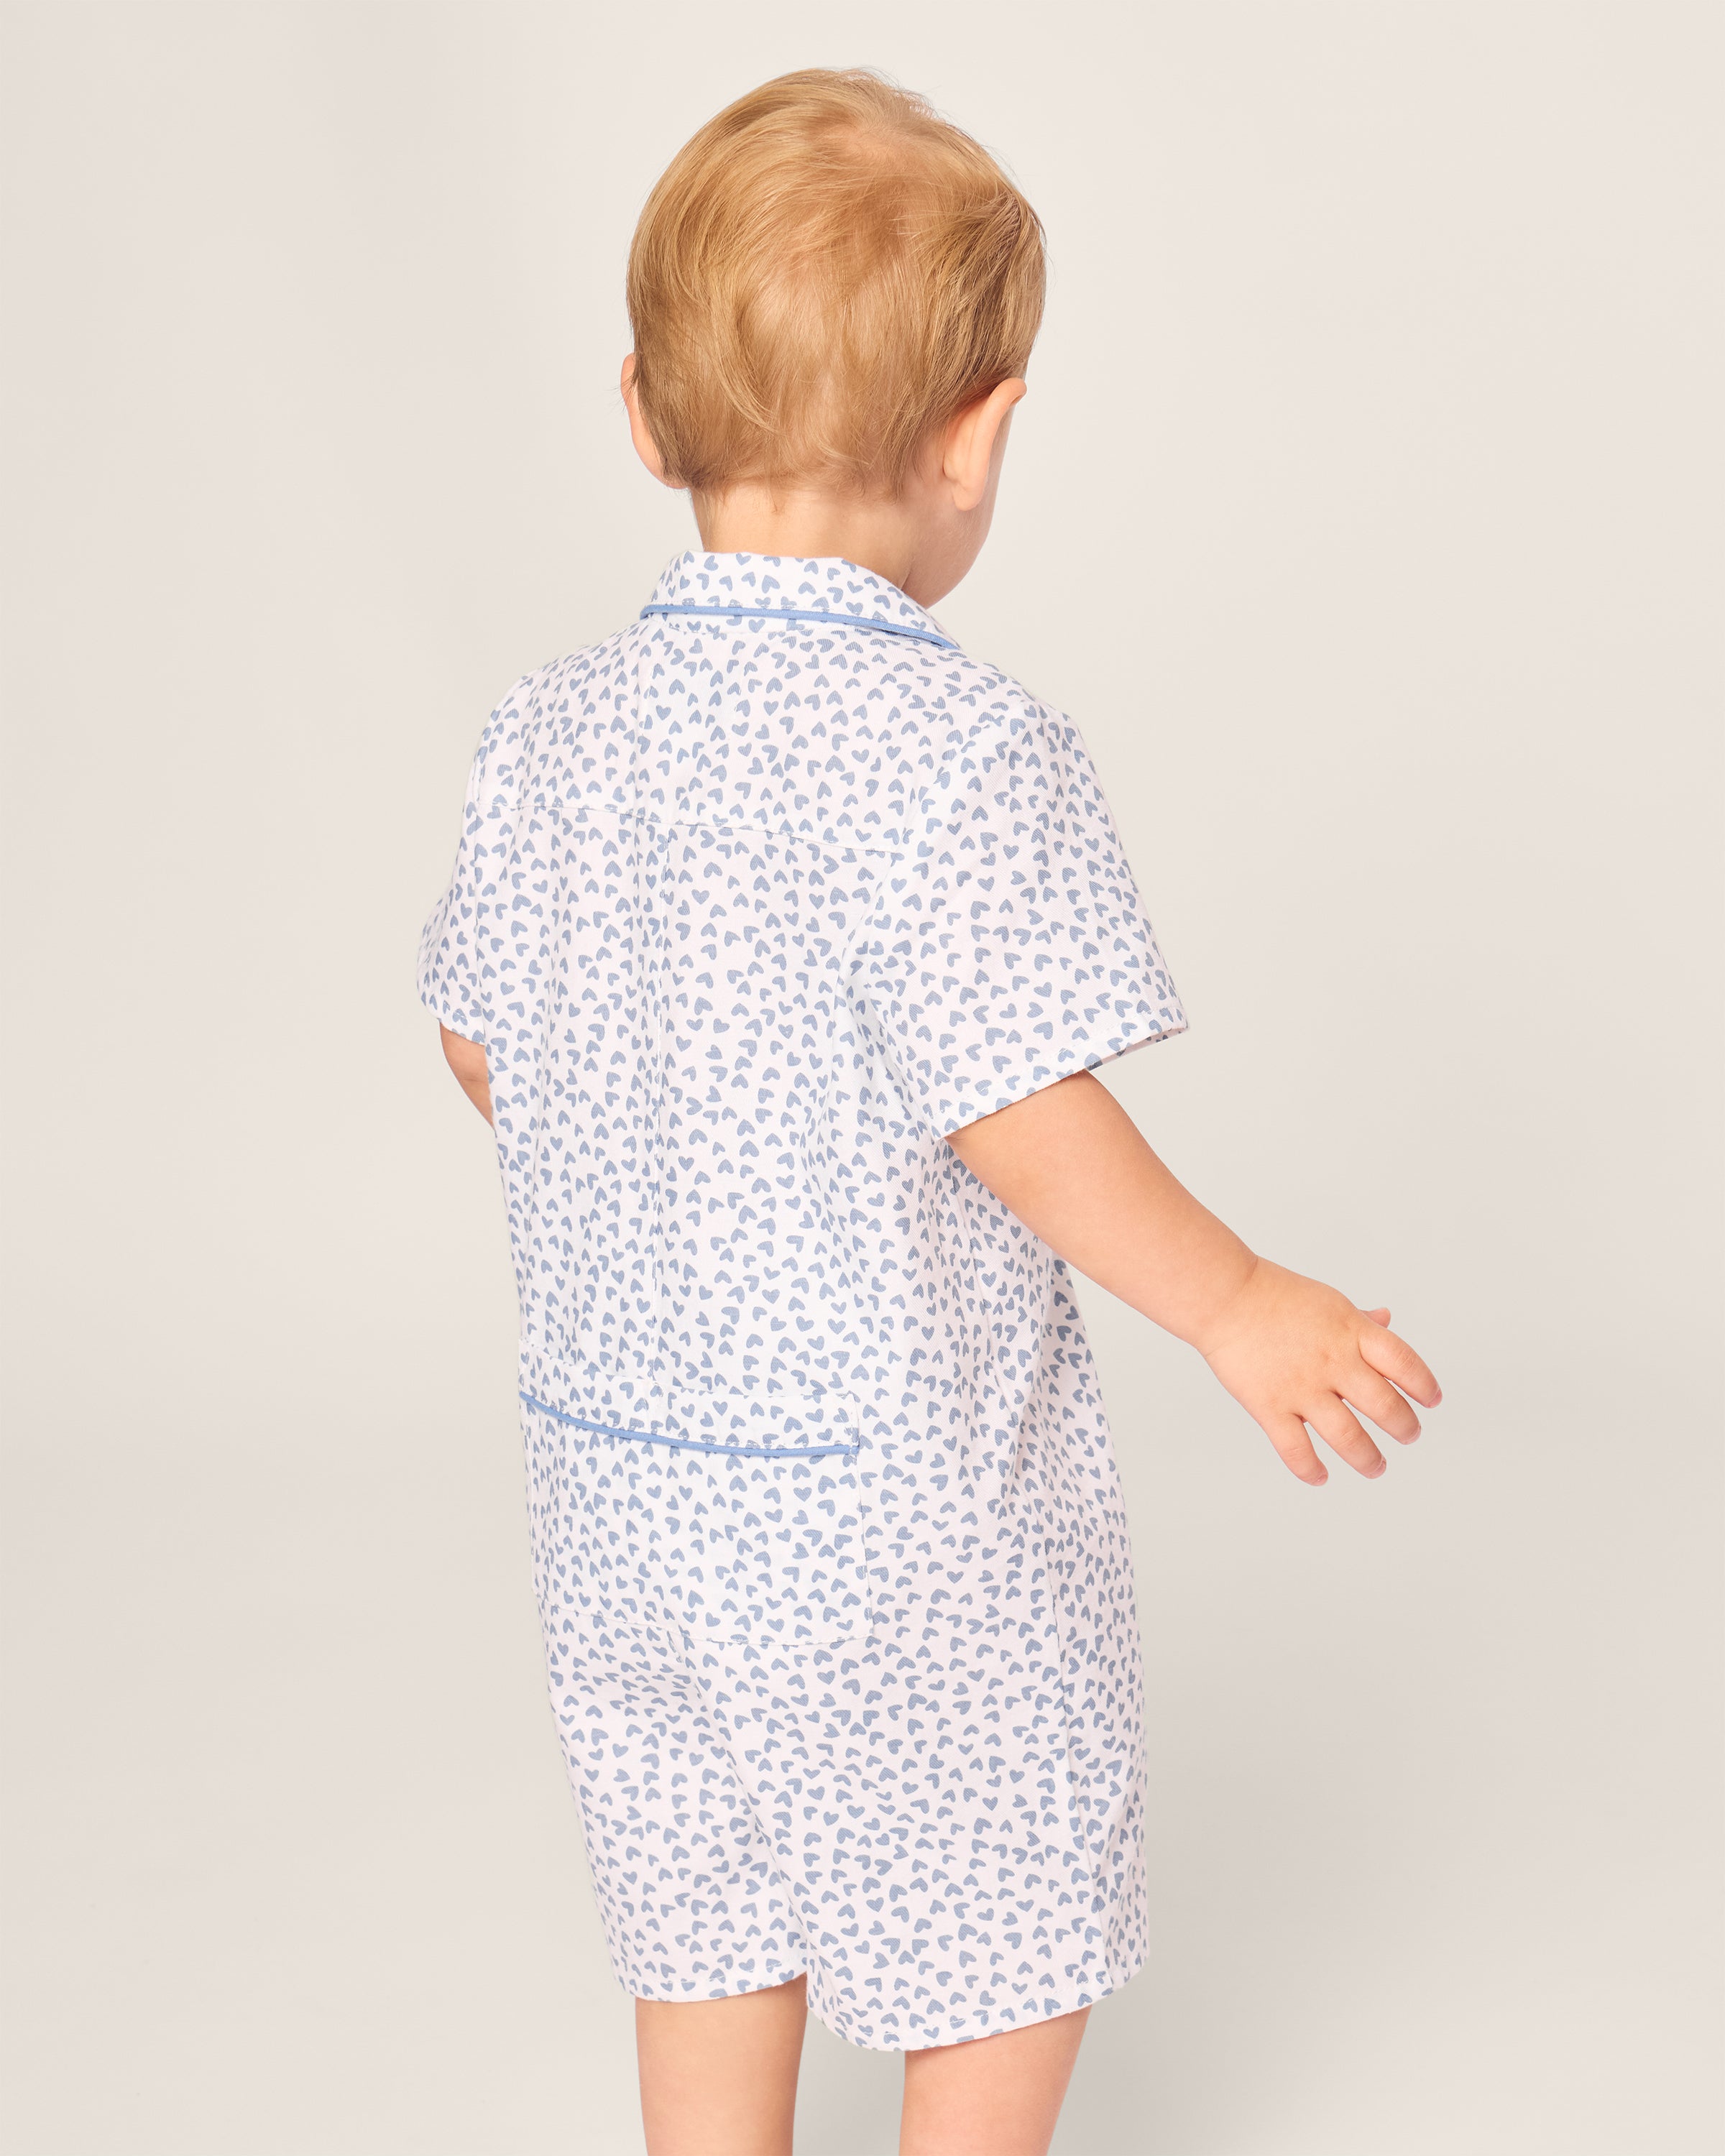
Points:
[[831, 2022], [708, 1997], [1081, 1998]]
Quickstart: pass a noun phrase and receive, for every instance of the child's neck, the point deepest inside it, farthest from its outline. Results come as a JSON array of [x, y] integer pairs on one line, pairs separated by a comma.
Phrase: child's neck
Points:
[[888, 534]]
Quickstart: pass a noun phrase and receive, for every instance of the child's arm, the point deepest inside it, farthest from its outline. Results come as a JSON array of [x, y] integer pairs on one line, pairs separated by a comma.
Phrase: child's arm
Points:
[[1069, 1162], [467, 1059]]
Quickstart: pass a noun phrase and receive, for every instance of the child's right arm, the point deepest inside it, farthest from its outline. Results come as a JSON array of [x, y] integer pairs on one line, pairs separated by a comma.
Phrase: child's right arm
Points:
[[1070, 1164], [467, 1059]]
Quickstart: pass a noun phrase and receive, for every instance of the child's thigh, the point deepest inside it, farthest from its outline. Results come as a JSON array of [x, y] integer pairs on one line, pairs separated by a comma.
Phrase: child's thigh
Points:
[[998, 2096]]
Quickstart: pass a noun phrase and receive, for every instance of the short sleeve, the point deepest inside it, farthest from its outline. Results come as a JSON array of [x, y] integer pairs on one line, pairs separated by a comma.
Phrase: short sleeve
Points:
[[460, 941], [1009, 947]]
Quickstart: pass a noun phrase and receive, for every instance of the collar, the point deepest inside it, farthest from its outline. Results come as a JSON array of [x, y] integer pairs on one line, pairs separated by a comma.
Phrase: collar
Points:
[[826, 588]]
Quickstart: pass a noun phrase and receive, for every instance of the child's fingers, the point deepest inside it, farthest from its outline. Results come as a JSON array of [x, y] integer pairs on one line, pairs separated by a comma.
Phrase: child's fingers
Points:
[[1392, 1359], [1377, 1398], [1287, 1433], [1340, 1431], [1378, 1316]]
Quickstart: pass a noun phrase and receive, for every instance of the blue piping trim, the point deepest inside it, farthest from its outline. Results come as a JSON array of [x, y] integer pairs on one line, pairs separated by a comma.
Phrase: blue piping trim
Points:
[[792, 614], [691, 1443]]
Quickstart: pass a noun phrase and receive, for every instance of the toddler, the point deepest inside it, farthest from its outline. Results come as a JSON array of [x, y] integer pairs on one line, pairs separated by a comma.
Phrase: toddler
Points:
[[783, 940]]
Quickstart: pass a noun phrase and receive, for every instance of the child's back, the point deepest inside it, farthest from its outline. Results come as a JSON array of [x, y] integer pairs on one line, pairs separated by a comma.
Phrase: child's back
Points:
[[754, 909]]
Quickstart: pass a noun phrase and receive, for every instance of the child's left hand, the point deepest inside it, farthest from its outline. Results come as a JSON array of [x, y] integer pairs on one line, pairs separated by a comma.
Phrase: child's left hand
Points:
[[1068, 1161], [1293, 1352]]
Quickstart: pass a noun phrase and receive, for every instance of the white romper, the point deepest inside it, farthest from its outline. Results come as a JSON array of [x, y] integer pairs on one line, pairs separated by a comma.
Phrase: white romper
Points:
[[756, 901]]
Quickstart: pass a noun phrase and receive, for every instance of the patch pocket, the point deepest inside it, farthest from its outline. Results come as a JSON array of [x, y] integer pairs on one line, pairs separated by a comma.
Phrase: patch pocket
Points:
[[784, 1562]]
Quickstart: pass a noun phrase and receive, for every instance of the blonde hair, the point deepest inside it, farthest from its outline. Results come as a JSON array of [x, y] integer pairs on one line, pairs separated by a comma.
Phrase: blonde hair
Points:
[[827, 272]]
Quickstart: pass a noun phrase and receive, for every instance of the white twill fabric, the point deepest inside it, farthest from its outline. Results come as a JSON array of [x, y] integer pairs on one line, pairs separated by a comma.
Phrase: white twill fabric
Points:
[[753, 905]]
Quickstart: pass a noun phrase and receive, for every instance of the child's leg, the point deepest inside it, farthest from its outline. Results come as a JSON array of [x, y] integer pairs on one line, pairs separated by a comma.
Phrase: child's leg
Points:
[[719, 2075], [996, 2096]]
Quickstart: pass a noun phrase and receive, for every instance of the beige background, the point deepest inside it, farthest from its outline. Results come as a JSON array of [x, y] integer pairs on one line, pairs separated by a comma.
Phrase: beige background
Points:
[[1365, 513]]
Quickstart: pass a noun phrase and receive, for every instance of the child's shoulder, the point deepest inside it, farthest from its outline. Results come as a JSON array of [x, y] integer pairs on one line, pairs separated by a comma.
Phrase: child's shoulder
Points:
[[994, 714], [930, 723]]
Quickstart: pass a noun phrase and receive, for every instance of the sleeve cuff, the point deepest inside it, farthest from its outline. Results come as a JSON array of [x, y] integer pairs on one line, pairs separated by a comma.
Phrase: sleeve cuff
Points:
[[449, 1012], [956, 1106]]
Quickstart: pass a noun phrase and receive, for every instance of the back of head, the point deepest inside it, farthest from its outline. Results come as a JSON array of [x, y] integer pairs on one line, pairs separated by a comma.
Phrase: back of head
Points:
[[827, 272]]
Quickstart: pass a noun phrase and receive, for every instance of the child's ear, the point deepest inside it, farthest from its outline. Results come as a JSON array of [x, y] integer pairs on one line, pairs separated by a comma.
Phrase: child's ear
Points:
[[646, 448], [972, 438]]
